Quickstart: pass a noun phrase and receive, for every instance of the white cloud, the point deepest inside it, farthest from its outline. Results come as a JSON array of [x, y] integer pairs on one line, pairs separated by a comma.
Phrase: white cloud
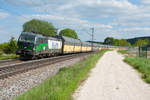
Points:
[[145, 1], [119, 18], [135, 29], [3, 14], [81, 26], [62, 20], [84, 8]]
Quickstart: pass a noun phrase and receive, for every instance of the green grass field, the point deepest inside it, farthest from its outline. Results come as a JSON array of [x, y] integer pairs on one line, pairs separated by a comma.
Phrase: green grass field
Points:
[[142, 65], [62, 85], [8, 56]]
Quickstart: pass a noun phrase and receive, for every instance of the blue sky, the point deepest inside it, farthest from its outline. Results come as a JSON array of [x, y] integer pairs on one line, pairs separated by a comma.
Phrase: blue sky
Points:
[[116, 18]]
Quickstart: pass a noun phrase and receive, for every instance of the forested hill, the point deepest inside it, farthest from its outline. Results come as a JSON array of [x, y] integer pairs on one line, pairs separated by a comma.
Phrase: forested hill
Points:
[[133, 40]]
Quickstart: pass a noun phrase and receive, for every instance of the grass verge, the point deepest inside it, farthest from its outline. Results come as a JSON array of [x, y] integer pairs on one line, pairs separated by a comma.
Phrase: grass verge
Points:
[[142, 65], [122, 51], [63, 84], [8, 56]]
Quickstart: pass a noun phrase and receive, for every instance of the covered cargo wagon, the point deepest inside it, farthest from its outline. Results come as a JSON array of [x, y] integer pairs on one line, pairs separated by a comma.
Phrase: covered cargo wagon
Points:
[[71, 45]]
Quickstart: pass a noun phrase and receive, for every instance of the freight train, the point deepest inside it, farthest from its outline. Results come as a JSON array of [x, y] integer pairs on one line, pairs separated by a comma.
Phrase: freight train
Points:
[[32, 45]]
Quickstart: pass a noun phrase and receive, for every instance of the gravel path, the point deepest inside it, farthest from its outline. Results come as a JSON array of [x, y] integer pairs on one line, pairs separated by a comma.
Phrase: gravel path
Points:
[[20, 83], [112, 79]]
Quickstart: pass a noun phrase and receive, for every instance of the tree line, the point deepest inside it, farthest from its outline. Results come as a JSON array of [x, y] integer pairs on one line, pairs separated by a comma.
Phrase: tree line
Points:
[[9, 47], [124, 42], [48, 29]]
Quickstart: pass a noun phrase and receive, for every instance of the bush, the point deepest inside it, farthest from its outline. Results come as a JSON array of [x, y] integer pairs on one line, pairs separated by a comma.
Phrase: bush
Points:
[[2, 46], [1, 53], [9, 56], [10, 47]]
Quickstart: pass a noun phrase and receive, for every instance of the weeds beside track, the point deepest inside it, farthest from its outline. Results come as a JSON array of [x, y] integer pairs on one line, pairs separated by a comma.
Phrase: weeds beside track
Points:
[[8, 56], [12, 69], [63, 84]]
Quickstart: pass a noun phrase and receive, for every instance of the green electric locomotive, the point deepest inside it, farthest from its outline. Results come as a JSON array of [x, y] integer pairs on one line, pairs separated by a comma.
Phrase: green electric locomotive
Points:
[[31, 45]]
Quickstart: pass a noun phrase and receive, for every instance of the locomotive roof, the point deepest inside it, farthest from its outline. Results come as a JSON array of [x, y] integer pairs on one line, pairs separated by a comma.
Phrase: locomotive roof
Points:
[[28, 33], [39, 35]]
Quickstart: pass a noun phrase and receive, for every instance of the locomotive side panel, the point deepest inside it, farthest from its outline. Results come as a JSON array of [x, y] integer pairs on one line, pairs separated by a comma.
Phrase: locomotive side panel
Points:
[[53, 44], [41, 45]]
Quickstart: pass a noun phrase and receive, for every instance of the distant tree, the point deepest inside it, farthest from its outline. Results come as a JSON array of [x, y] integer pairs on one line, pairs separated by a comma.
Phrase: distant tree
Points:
[[138, 43], [39, 26], [69, 33], [123, 42], [146, 41], [129, 44], [109, 41], [141, 42], [1, 53], [11, 46], [116, 42], [2, 46]]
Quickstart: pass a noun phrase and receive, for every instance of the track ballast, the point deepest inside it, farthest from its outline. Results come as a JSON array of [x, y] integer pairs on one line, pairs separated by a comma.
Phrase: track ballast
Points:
[[8, 70]]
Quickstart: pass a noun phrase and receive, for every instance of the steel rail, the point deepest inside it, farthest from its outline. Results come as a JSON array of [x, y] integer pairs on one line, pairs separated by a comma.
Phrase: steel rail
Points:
[[8, 70], [5, 61], [10, 61]]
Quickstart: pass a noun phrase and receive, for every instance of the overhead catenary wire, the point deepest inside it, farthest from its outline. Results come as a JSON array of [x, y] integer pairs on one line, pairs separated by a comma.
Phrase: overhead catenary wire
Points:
[[16, 13], [56, 29]]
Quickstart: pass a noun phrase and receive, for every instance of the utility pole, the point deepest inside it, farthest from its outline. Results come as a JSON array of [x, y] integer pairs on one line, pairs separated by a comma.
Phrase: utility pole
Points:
[[92, 37], [56, 31]]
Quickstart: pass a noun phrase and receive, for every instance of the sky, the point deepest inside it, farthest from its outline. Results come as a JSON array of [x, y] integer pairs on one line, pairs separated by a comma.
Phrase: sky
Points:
[[113, 18]]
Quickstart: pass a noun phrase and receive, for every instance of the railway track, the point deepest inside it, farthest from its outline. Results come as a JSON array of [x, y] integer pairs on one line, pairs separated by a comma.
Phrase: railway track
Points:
[[8, 70], [8, 62]]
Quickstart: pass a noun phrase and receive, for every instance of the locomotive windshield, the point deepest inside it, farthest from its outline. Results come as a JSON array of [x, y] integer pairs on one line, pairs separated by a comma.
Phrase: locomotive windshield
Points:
[[27, 38]]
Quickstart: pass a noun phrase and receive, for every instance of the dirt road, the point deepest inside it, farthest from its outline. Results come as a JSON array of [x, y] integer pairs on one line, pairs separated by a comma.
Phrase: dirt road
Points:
[[112, 79]]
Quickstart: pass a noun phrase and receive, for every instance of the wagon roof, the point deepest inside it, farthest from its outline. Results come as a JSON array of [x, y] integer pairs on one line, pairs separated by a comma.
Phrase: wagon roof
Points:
[[86, 43], [71, 40]]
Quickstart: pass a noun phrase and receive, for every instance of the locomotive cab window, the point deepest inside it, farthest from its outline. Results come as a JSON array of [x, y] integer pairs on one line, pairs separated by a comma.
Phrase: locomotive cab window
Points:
[[38, 40], [27, 38]]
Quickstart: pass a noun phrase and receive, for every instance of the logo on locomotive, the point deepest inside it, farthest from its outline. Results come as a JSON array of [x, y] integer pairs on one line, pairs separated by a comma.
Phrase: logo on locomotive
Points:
[[55, 45]]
